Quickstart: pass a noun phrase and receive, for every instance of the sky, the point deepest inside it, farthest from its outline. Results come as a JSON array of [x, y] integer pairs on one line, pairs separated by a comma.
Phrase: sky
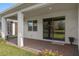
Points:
[[4, 6]]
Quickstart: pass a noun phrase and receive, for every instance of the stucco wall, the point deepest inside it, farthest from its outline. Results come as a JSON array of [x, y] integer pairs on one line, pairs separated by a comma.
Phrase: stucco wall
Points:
[[71, 25]]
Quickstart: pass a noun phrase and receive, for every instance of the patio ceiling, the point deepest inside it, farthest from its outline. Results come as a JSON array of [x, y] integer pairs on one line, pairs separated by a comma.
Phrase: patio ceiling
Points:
[[48, 9], [44, 10]]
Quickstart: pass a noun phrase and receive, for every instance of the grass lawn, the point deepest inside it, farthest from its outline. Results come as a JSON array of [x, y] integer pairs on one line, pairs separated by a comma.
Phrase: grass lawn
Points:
[[59, 30], [59, 36], [8, 50]]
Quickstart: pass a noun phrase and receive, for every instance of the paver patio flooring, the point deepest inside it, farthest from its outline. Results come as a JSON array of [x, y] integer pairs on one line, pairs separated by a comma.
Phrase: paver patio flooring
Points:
[[66, 49]]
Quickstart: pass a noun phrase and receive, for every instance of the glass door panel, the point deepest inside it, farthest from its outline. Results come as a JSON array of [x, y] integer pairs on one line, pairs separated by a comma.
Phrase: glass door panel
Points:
[[59, 30], [47, 28]]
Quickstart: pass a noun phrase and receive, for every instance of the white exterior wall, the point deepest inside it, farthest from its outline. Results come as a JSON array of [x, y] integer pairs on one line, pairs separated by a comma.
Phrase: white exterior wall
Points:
[[71, 25], [34, 34]]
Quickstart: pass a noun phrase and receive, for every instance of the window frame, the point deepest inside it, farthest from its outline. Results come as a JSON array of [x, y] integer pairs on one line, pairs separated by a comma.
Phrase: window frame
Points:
[[32, 25]]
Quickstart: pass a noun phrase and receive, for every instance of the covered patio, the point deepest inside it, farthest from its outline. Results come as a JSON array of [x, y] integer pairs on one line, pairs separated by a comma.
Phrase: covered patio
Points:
[[66, 50], [30, 25]]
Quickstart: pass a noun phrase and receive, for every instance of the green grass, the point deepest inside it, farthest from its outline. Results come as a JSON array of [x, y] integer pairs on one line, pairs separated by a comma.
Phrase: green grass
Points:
[[59, 36], [58, 30], [8, 50]]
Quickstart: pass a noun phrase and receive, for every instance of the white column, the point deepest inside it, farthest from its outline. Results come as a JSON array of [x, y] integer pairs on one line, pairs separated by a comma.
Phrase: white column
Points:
[[4, 28], [20, 29], [13, 28]]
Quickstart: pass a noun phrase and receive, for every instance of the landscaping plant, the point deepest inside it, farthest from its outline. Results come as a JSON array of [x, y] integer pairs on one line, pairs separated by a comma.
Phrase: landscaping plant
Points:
[[47, 52]]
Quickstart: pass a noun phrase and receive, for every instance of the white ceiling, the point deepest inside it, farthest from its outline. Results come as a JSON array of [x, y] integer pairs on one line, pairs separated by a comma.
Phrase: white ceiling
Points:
[[48, 9]]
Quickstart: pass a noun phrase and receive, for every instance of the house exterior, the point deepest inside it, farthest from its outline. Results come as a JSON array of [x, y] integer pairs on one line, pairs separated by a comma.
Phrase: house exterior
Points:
[[47, 22]]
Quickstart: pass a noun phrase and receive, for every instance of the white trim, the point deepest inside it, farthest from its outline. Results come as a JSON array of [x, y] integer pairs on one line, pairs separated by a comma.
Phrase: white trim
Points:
[[12, 20], [11, 14], [34, 6], [55, 41]]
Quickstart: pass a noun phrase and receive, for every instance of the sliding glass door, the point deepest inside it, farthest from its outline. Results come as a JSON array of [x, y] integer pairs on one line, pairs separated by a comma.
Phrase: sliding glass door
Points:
[[59, 28], [54, 28], [47, 28]]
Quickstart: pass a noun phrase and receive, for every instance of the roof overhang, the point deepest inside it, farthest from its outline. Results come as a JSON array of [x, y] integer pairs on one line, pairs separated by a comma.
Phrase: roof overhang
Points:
[[14, 6], [17, 7]]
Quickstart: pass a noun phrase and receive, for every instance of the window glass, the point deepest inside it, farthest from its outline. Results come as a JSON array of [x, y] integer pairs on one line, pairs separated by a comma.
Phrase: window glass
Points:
[[35, 25], [30, 25]]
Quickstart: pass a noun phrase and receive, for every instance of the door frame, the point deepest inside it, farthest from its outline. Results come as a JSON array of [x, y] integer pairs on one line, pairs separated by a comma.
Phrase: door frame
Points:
[[62, 17]]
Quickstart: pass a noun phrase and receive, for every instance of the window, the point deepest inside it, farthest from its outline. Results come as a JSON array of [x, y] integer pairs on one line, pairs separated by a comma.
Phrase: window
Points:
[[32, 25]]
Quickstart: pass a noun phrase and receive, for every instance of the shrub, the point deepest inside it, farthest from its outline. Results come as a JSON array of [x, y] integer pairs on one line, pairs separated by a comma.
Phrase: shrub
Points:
[[12, 36], [46, 52]]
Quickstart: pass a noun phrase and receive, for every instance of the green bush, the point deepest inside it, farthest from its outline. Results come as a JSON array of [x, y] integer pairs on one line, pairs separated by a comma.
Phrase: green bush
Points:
[[46, 52], [12, 36]]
